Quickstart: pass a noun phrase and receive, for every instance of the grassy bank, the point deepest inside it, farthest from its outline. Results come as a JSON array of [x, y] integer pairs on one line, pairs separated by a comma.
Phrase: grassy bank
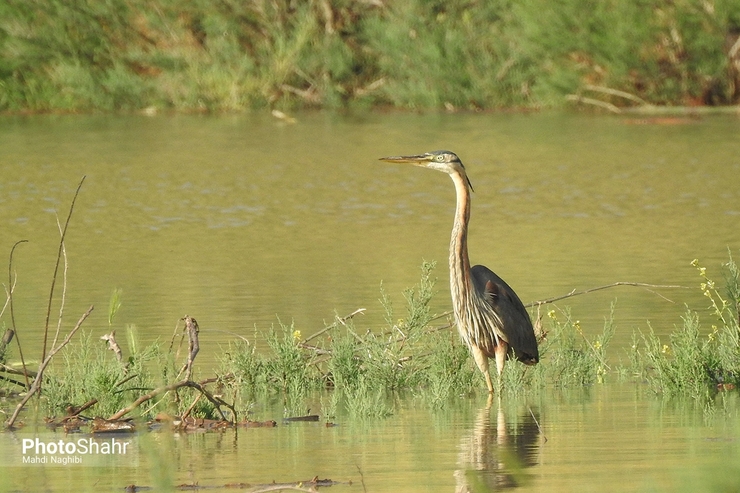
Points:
[[197, 55]]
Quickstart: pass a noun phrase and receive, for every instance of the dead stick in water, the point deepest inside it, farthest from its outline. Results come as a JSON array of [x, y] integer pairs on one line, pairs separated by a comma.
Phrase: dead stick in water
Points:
[[537, 423]]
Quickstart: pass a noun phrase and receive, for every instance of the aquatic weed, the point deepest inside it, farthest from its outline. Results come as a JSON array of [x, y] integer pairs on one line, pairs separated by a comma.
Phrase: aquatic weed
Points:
[[571, 357], [450, 371], [88, 371], [290, 369], [694, 364]]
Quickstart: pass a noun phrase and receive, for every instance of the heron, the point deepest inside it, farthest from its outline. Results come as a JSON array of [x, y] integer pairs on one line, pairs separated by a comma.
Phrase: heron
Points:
[[490, 317]]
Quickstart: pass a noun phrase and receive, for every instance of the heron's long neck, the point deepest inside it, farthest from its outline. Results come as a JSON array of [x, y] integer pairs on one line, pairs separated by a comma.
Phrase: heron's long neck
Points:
[[459, 261]]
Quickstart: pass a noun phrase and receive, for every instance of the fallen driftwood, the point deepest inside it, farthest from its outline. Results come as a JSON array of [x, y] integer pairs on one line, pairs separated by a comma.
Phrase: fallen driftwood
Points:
[[102, 425], [308, 486], [310, 417], [190, 424], [72, 421]]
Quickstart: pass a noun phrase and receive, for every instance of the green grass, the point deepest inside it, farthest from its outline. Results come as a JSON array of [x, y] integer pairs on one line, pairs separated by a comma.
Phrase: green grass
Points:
[[696, 362], [196, 55], [88, 371]]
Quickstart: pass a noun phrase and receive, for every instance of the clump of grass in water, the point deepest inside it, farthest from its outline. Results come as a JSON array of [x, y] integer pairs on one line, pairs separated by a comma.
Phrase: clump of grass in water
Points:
[[89, 372], [693, 364], [451, 372], [361, 369], [289, 371], [367, 368], [568, 357]]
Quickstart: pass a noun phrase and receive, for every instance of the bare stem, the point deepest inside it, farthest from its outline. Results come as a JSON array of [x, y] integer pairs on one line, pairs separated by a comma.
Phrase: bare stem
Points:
[[339, 321], [11, 287], [56, 269], [607, 286]]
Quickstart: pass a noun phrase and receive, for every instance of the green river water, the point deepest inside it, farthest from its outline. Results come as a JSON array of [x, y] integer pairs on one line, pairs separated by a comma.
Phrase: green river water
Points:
[[239, 220]]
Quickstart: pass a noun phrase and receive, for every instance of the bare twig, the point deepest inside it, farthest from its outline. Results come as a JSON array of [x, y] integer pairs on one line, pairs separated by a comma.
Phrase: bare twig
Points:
[[39, 376], [362, 478], [56, 269], [281, 487], [337, 322], [174, 335], [217, 401], [84, 407], [607, 286], [190, 408], [537, 423], [64, 288], [11, 287]]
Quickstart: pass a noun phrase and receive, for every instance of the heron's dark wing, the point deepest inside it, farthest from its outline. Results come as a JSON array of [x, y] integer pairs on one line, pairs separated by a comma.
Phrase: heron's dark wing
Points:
[[517, 326]]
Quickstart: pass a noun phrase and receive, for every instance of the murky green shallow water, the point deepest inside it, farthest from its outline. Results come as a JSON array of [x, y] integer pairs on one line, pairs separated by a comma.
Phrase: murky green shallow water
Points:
[[609, 438], [237, 220]]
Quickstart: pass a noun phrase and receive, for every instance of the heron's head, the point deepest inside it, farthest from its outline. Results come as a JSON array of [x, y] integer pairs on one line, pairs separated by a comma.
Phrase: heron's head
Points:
[[446, 161]]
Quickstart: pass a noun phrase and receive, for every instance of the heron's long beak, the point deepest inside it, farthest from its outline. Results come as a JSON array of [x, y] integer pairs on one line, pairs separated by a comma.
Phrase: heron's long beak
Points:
[[418, 160]]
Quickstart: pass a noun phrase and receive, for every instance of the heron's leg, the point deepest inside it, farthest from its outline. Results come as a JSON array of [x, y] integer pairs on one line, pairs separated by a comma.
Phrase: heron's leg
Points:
[[482, 361], [500, 352]]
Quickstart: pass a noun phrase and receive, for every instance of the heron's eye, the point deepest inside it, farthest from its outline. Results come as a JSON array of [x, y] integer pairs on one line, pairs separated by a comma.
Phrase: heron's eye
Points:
[[440, 158]]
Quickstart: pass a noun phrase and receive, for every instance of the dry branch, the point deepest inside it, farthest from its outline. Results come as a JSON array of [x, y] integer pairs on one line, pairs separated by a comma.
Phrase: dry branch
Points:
[[14, 371], [11, 287], [607, 286], [337, 322], [113, 345], [56, 268], [192, 329], [216, 401]]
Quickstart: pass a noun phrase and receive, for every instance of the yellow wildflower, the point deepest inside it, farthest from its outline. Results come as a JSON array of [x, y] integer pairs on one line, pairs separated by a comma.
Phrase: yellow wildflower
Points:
[[297, 335]]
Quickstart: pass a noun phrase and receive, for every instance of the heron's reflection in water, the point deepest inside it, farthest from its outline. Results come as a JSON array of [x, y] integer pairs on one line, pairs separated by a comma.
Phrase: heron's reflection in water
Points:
[[496, 454]]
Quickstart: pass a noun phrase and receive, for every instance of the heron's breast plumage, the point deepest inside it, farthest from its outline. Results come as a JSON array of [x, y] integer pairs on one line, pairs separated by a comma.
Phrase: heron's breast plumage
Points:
[[479, 326]]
